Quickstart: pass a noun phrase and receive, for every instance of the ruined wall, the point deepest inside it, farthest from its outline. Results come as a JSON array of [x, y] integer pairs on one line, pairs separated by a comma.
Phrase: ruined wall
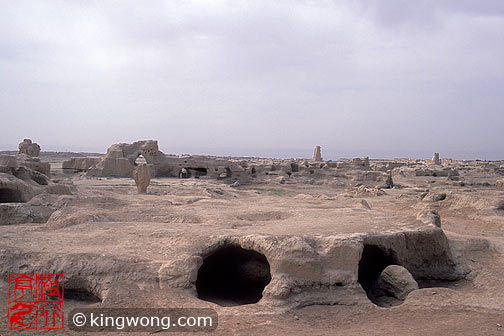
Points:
[[120, 158], [325, 270], [120, 162]]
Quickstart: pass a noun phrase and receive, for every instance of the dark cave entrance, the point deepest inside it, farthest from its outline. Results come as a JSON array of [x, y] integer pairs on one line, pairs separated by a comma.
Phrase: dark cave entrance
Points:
[[197, 172], [373, 261], [77, 289], [10, 195], [233, 276], [139, 160], [81, 295]]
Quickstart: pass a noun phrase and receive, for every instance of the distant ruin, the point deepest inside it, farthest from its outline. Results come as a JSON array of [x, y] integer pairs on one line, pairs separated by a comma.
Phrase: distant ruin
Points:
[[29, 148], [122, 159], [119, 161], [317, 156], [435, 159]]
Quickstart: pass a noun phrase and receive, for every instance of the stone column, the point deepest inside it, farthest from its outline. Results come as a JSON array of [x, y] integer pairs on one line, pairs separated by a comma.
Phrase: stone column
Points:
[[435, 159], [316, 154], [142, 176]]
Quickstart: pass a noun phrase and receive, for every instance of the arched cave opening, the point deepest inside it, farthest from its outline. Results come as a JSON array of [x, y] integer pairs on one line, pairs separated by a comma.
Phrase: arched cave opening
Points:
[[373, 261], [10, 196], [77, 289], [233, 276], [139, 160]]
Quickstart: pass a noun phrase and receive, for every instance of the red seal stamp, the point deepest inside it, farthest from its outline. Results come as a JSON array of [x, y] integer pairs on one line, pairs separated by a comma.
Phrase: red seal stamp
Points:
[[36, 301]]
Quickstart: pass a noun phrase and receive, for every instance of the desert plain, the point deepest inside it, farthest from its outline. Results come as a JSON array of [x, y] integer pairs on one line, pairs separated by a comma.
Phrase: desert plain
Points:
[[274, 246]]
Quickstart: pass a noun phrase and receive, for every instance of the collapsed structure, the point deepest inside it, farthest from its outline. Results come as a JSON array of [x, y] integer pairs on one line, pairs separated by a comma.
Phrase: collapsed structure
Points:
[[29, 148], [270, 246], [119, 161], [23, 177]]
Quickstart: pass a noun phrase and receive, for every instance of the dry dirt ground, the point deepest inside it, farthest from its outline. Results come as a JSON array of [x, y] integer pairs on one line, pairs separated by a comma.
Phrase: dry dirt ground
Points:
[[137, 234]]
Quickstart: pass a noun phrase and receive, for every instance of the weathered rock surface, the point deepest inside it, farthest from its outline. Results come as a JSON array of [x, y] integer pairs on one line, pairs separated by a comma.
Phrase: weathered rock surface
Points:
[[317, 156], [371, 179], [445, 172], [305, 270], [117, 167], [394, 281], [365, 204], [435, 159], [81, 163], [29, 148], [120, 158], [15, 190], [389, 182], [30, 176], [434, 196], [499, 184], [142, 176], [37, 210], [28, 169], [7, 162], [361, 163], [21, 179], [429, 216]]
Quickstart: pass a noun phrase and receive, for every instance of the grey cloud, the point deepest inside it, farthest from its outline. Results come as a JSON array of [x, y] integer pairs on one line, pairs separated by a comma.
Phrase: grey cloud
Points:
[[255, 76]]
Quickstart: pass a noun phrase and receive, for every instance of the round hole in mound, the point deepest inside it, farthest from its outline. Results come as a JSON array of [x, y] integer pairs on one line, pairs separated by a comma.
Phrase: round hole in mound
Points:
[[77, 289], [10, 195], [233, 276], [373, 261]]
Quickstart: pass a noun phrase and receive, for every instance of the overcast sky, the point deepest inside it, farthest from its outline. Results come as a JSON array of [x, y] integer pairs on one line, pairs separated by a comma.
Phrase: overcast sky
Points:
[[383, 77]]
